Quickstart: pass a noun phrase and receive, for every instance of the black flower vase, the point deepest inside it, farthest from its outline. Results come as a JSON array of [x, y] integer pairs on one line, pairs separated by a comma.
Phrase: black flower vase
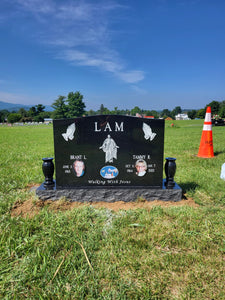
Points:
[[170, 170], [48, 170]]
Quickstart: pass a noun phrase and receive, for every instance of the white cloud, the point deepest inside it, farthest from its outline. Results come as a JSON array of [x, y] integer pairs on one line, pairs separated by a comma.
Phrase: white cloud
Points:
[[104, 62], [139, 90], [37, 6], [131, 76], [79, 32]]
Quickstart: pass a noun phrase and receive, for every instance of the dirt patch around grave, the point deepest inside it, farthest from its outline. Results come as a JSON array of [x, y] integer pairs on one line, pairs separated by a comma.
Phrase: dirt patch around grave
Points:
[[31, 207]]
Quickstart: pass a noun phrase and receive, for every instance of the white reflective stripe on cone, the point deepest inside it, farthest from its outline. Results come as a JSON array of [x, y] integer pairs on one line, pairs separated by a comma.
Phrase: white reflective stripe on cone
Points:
[[207, 127], [208, 117]]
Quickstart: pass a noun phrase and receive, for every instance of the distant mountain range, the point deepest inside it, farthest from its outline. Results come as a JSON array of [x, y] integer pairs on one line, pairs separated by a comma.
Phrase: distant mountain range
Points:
[[15, 107]]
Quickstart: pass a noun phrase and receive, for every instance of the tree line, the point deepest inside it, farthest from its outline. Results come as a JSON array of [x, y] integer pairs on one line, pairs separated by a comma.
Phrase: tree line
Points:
[[217, 109], [74, 106], [36, 113]]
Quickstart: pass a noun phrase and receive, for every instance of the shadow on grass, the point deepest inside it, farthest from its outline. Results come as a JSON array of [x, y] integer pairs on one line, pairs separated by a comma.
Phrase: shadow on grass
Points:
[[218, 152], [188, 186]]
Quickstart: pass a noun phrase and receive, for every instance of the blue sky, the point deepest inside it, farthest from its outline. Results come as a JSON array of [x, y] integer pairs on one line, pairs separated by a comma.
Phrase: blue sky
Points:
[[155, 54]]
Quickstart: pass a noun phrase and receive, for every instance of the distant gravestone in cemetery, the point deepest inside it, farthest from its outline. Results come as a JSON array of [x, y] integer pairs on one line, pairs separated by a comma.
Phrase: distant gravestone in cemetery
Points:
[[108, 156], [222, 175]]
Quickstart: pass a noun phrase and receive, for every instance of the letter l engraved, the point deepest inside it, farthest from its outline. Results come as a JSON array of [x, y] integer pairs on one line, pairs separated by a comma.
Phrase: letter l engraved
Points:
[[96, 127]]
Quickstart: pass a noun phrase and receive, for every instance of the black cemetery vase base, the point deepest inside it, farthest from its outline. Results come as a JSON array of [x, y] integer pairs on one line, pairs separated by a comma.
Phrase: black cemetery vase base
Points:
[[170, 170], [48, 170]]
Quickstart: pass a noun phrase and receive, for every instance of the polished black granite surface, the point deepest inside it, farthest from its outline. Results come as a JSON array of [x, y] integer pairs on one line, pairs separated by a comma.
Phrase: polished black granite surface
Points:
[[109, 151]]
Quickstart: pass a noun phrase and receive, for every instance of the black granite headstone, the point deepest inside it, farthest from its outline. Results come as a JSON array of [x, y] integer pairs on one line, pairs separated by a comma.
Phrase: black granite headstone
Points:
[[109, 151]]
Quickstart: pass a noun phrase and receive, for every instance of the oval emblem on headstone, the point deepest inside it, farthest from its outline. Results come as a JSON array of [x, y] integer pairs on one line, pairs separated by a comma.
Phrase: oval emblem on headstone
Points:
[[109, 172]]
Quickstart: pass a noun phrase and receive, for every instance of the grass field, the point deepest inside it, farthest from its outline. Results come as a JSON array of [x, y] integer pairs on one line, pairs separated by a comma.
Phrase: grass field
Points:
[[89, 253]]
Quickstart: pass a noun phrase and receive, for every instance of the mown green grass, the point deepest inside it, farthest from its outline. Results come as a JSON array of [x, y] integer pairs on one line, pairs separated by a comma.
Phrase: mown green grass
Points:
[[164, 253], [198, 177]]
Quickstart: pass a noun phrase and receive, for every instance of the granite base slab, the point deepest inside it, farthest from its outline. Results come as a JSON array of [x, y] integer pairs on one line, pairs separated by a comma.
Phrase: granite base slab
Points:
[[110, 194]]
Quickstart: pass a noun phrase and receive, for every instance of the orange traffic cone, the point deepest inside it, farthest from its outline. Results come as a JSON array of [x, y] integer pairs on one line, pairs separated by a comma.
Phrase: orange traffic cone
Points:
[[206, 144]]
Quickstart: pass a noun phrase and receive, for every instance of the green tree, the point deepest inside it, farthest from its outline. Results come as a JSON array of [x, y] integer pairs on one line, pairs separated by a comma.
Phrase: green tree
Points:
[[26, 119], [177, 110], [103, 110], [13, 118], [127, 112], [215, 107], [60, 108], [39, 108], [153, 113], [91, 112], [3, 114], [201, 113], [32, 111], [222, 109], [45, 114], [136, 110], [38, 118], [116, 111], [222, 103], [192, 114], [75, 105], [166, 113], [222, 112], [23, 112]]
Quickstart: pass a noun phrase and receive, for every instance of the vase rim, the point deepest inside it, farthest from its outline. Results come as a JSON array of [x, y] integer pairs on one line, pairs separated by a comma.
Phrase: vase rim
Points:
[[170, 158], [47, 158]]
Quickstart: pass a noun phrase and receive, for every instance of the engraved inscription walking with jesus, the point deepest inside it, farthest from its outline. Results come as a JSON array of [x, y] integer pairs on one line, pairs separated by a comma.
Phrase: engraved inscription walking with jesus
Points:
[[109, 151]]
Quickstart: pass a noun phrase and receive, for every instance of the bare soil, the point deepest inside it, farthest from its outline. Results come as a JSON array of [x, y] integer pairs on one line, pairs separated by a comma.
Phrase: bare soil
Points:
[[31, 207]]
